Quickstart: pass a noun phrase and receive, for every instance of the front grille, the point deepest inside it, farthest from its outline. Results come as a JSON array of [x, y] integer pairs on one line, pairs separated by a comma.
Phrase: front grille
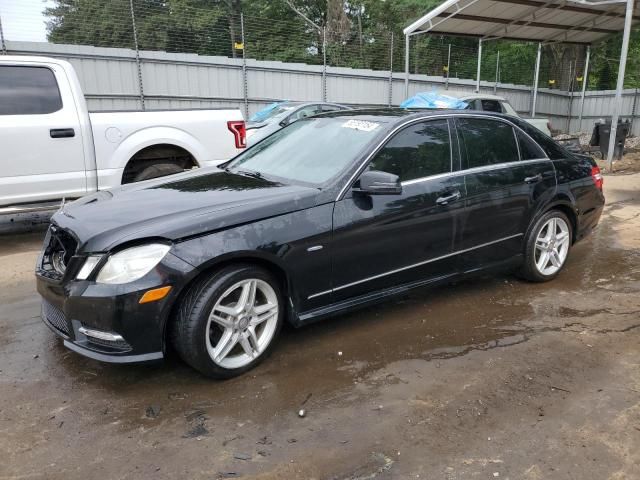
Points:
[[55, 317], [60, 247]]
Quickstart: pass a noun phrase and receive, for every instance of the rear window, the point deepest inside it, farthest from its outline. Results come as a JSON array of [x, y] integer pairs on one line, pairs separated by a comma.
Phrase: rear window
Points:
[[487, 142], [28, 91], [550, 147]]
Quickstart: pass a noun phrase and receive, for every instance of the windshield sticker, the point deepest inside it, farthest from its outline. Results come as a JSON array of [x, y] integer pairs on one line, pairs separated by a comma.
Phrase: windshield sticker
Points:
[[361, 125]]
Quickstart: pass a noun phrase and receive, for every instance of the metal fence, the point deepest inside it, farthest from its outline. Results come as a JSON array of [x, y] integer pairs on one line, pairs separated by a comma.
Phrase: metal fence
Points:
[[147, 54]]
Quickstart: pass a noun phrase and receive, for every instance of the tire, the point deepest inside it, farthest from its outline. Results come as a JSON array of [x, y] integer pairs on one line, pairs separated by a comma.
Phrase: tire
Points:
[[540, 242], [157, 170], [199, 339]]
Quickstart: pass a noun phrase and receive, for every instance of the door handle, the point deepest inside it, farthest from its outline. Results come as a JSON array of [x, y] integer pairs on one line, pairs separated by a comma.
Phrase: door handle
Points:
[[62, 132], [451, 197], [534, 179]]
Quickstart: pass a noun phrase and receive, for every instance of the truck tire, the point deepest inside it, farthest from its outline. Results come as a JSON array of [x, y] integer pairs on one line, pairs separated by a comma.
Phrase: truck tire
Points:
[[158, 170]]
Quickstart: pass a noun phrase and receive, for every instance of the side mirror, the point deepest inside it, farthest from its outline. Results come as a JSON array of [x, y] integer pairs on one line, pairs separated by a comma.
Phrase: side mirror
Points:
[[374, 182], [284, 123]]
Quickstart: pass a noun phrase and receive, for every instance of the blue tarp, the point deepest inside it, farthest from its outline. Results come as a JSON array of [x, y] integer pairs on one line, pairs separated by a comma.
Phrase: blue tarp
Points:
[[260, 115], [433, 99]]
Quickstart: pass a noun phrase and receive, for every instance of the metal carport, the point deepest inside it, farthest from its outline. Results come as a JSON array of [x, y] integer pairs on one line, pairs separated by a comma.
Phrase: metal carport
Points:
[[553, 21]]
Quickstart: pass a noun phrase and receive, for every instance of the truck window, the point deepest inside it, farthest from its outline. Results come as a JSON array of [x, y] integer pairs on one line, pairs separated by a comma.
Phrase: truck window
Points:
[[28, 91], [491, 105]]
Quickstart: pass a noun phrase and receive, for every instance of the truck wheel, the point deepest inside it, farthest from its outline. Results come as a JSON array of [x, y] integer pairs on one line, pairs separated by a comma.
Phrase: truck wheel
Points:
[[227, 323], [158, 170]]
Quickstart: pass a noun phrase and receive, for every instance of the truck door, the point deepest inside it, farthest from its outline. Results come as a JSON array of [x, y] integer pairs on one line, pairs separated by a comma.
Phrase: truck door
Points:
[[42, 154]]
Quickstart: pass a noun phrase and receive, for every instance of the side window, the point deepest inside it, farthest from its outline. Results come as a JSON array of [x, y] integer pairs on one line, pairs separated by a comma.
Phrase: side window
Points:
[[491, 105], [330, 108], [418, 151], [305, 112], [28, 91], [487, 142], [529, 150]]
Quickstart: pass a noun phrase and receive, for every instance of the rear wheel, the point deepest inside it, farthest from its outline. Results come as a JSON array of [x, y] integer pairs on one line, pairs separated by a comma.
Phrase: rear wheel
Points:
[[227, 323], [547, 247]]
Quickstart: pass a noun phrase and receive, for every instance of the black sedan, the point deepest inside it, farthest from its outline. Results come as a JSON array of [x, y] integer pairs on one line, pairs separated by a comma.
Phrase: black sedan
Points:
[[328, 214]]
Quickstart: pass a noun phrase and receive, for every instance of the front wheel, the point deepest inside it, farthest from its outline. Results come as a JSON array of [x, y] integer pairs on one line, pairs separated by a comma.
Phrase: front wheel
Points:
[[227, 323], [547, 247]]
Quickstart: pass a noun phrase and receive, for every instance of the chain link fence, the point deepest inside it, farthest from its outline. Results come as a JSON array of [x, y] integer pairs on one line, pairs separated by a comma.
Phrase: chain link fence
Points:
[[218, 28]]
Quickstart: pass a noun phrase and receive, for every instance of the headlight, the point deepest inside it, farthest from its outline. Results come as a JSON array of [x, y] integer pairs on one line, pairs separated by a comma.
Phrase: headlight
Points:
[[131, 264], [88, 266]]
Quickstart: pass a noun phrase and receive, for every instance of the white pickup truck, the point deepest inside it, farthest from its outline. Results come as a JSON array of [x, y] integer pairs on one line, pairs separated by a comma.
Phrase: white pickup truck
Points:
[[54, 148], [495, 103]]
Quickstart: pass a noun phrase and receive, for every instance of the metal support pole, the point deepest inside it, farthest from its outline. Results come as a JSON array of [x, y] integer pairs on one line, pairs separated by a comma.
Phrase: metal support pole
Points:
[[2, 44], [584, 86], [391, 71], [495, 85], [479, 65], [138, 65], [324, 64], [446, 82], [573, 67], [617, 104], [244, 69], [406, 66], [536, 77]]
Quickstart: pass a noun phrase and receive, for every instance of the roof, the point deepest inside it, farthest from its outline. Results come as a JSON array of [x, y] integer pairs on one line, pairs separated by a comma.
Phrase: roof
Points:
[[549, 21]]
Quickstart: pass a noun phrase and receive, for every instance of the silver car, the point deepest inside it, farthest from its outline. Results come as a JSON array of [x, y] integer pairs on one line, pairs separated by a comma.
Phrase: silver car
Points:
[[281, 114]]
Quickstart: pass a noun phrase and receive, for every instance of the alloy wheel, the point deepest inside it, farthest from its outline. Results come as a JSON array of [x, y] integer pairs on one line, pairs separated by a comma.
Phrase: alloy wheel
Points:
[[552, 246], [242, 323]]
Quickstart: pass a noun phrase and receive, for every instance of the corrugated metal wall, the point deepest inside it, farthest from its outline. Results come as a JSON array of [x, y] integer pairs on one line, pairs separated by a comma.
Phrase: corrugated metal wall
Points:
[[173, 81]]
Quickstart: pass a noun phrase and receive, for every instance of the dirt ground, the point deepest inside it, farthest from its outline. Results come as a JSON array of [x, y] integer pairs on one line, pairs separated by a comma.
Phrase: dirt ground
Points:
[[488, 378]]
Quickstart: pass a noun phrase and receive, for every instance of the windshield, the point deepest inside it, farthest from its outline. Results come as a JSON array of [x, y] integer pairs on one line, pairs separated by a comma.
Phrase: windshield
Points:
[[312, 150], [270, 112]]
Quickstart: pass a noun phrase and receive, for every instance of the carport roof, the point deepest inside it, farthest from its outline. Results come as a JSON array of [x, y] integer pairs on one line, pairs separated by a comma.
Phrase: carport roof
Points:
[[529, 20]]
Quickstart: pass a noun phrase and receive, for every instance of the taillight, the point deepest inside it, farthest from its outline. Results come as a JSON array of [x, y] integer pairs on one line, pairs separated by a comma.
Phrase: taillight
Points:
[[239, 131], [597, 177]]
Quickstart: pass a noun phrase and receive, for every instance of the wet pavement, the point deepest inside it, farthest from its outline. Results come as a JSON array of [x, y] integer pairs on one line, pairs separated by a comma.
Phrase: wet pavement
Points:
[[489, 378]]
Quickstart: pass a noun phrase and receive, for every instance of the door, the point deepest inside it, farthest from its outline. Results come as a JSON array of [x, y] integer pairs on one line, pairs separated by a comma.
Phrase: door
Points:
[[505, 175], [42, 154], [381, 241]]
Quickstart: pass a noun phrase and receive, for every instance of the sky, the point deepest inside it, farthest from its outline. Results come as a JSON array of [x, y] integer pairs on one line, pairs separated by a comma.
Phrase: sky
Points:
[[24, 20]]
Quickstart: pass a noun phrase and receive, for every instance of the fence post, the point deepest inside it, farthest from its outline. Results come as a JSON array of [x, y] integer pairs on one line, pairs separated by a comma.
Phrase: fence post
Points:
[[2, 44], [573, 67], [139, 67], [446, 82], [495, 85], [633, 109], [391, 71], [245, 84], [324, 64], [584, 86]]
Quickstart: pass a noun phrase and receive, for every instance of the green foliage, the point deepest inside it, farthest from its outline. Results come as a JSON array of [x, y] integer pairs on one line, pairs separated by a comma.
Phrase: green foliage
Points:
[[358, 35]]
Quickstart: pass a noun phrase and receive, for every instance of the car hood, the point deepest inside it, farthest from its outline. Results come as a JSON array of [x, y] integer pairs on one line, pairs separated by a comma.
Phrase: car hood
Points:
[[181, 206]]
